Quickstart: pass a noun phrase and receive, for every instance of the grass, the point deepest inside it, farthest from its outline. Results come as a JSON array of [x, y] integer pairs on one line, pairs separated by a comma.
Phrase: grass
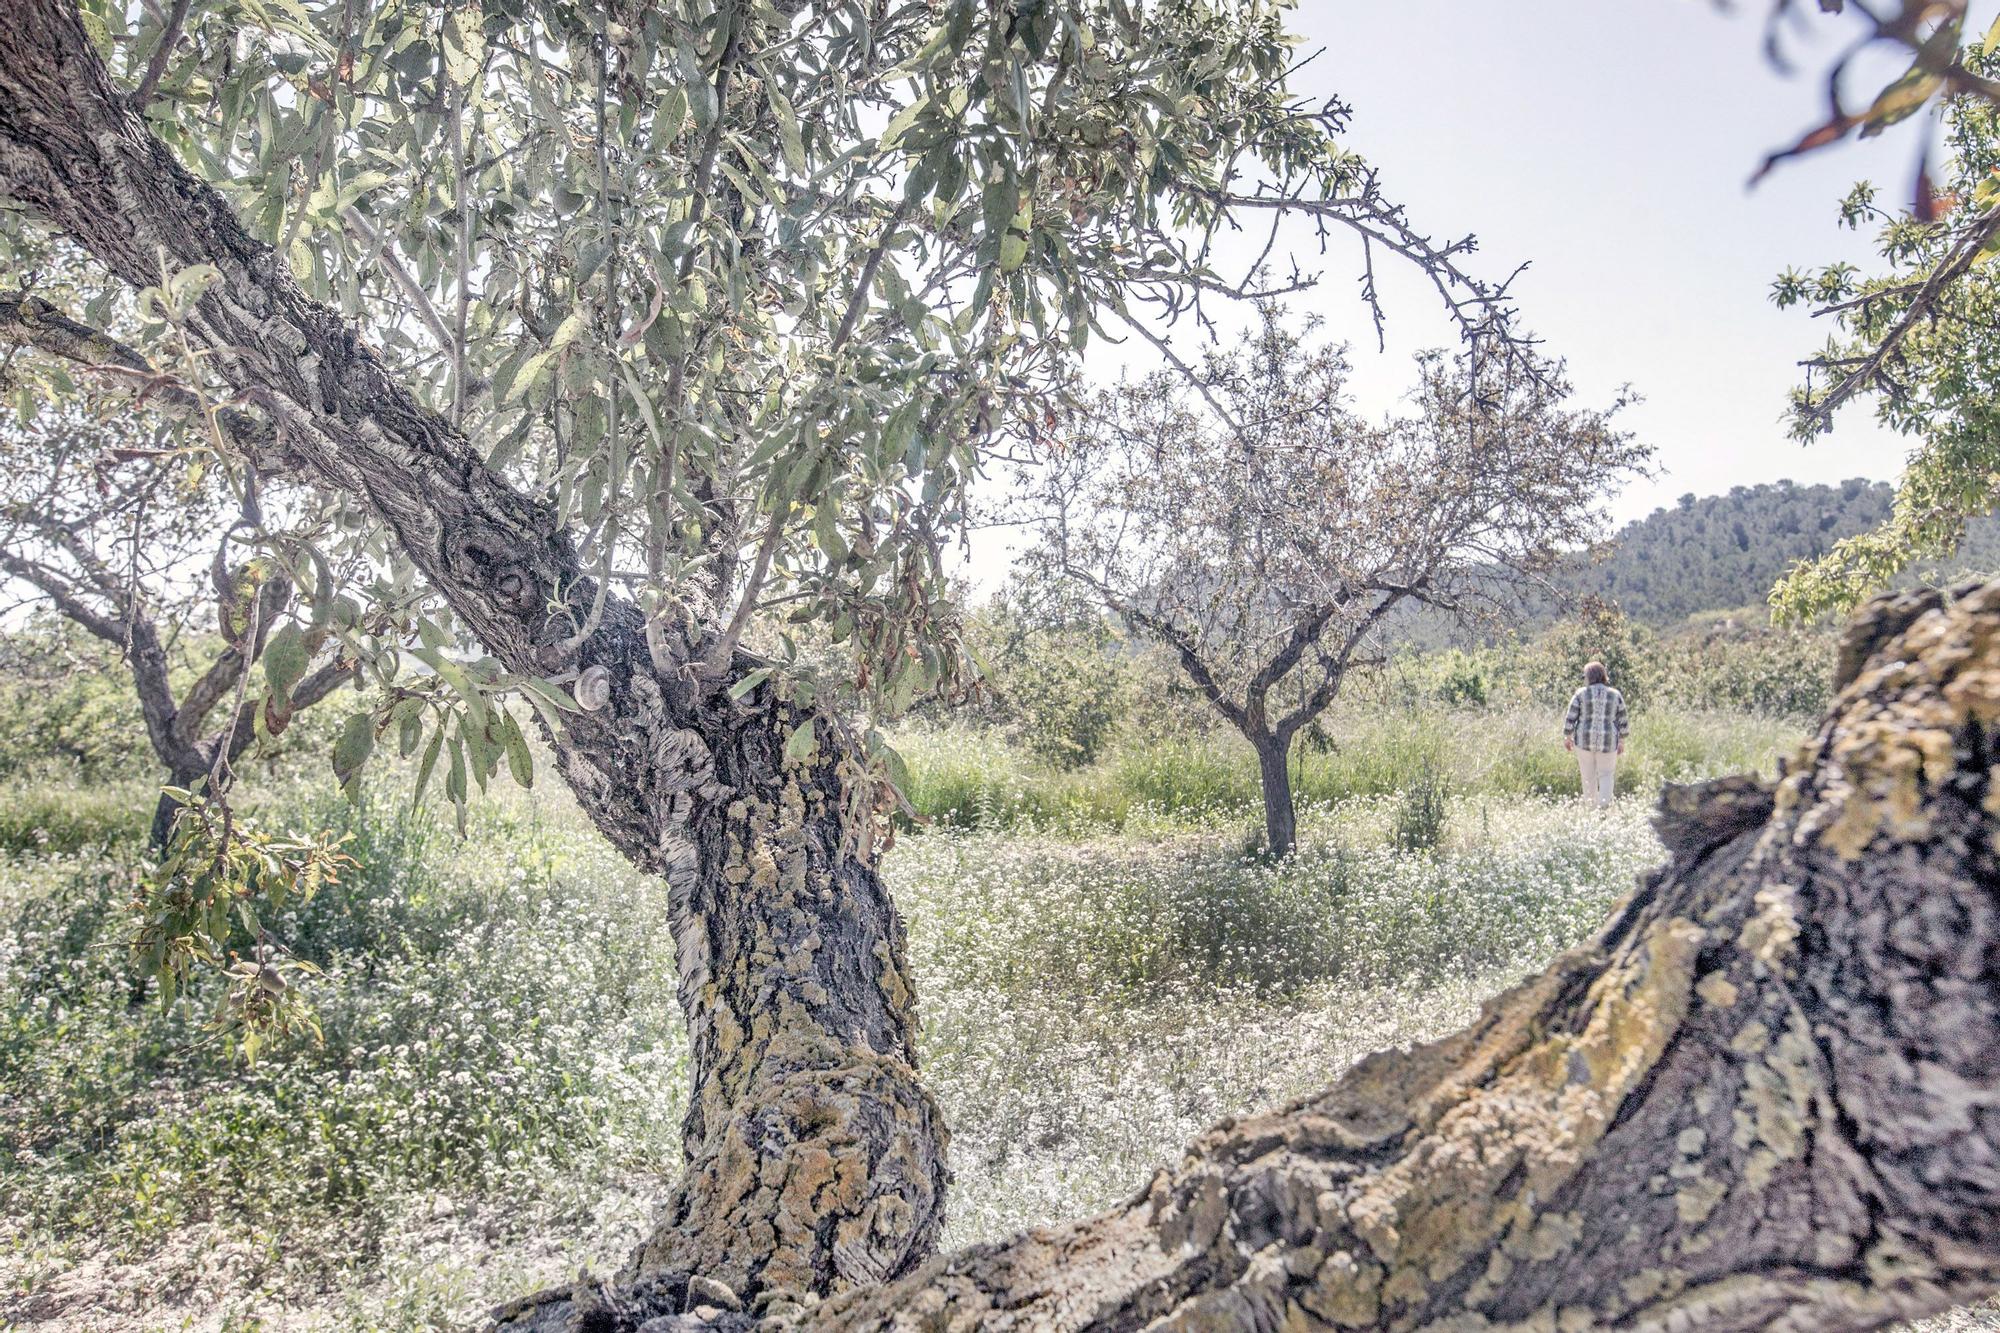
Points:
[[498, 1095], [499, 1026], [62, 812], [975, 779]]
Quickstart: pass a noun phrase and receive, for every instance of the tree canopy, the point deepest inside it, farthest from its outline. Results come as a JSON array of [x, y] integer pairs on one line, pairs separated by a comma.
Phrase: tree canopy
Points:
[[734, 292], [1246, 516], [1913, 338]]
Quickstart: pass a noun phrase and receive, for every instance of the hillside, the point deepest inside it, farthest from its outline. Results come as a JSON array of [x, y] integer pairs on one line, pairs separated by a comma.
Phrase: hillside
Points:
[[1720, 552]]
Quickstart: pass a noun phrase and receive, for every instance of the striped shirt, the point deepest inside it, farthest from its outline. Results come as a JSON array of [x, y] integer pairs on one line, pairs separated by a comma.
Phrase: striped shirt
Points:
[[1596, 719]]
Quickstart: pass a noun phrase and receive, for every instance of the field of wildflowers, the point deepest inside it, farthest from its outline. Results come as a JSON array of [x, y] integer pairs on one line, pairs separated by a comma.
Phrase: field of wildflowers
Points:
[[497, 1096]]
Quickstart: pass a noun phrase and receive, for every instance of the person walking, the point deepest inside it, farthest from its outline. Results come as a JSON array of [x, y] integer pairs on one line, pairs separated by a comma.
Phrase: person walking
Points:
[[1594, 728]]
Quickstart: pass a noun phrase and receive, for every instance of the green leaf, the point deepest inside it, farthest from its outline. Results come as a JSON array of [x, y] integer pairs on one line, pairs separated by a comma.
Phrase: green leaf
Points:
[[793, 145], [454, 675], [900, 123], [429, 762], [799, 746], [549, 696], [894, 764], [519, 761], [351, 751], [569, 330], [464, 44], [410, 730], [1013, 250], [454, 778], [285, 659], [749, 683]]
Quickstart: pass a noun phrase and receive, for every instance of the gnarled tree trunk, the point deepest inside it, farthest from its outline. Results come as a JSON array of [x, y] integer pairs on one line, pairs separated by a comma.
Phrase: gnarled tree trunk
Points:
[[815, 1157]]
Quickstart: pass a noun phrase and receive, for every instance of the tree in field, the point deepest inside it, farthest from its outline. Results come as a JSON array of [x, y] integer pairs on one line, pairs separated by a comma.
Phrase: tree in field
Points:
[[610, 384], [100, 517], [1244, 516]]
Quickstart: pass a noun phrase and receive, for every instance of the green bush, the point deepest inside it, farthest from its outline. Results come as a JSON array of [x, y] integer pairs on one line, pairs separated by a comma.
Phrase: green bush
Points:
[[1064, 693], [1596, 632], [61, 813], [1421, 812], [493, 1010], [66, 705], [1753, 668]]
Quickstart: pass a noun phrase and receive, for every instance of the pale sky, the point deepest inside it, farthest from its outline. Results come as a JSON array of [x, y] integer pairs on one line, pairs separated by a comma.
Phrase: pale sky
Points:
[[1609, 143]]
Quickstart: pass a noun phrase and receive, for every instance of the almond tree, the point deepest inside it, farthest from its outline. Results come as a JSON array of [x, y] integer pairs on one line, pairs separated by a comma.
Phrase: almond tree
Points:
[[1245, 516], [1913, 338], [98, 518]]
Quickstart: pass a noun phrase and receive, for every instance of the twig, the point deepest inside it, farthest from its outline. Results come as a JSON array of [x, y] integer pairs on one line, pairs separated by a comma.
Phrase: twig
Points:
[[156, 68]]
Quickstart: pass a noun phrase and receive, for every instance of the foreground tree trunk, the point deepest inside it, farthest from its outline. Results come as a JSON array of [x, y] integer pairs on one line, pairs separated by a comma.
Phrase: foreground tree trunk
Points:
[[1764, 1097], [815, 1158]]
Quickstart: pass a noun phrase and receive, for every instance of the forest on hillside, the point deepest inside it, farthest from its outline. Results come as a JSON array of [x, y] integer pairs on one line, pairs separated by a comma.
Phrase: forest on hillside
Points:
[[1724, 552]]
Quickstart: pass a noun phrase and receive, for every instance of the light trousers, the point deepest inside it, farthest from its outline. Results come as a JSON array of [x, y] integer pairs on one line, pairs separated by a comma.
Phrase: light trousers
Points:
[[1600, 772]]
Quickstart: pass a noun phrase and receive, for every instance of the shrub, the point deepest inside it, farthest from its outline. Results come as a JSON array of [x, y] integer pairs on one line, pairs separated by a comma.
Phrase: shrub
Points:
[[1064, 693], [1421, 812], [493, 1013], [1752, 668], [1463, 680], [1597, 632], [61, 814], [66, 703]]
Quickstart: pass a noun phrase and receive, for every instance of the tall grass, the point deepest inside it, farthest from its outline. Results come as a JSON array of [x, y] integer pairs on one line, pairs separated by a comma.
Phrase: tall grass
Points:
[[976, 778], [503, 1059], [55, 812], [498, 1023]]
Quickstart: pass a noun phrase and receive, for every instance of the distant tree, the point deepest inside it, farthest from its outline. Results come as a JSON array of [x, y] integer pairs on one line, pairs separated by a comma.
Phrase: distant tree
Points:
[[104, 519], [1245, 516]]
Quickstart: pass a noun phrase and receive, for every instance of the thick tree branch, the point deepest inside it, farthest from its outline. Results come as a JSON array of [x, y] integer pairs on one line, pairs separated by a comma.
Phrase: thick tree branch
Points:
[[1304, 634], [216, 683], [1197, 670], [58, 589], [129, 630], [163, 54], [1336, 669], [29, 321]]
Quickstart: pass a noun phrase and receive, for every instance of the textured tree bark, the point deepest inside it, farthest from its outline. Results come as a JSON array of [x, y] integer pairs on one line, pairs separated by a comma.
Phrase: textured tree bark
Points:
[[815, 1157]]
